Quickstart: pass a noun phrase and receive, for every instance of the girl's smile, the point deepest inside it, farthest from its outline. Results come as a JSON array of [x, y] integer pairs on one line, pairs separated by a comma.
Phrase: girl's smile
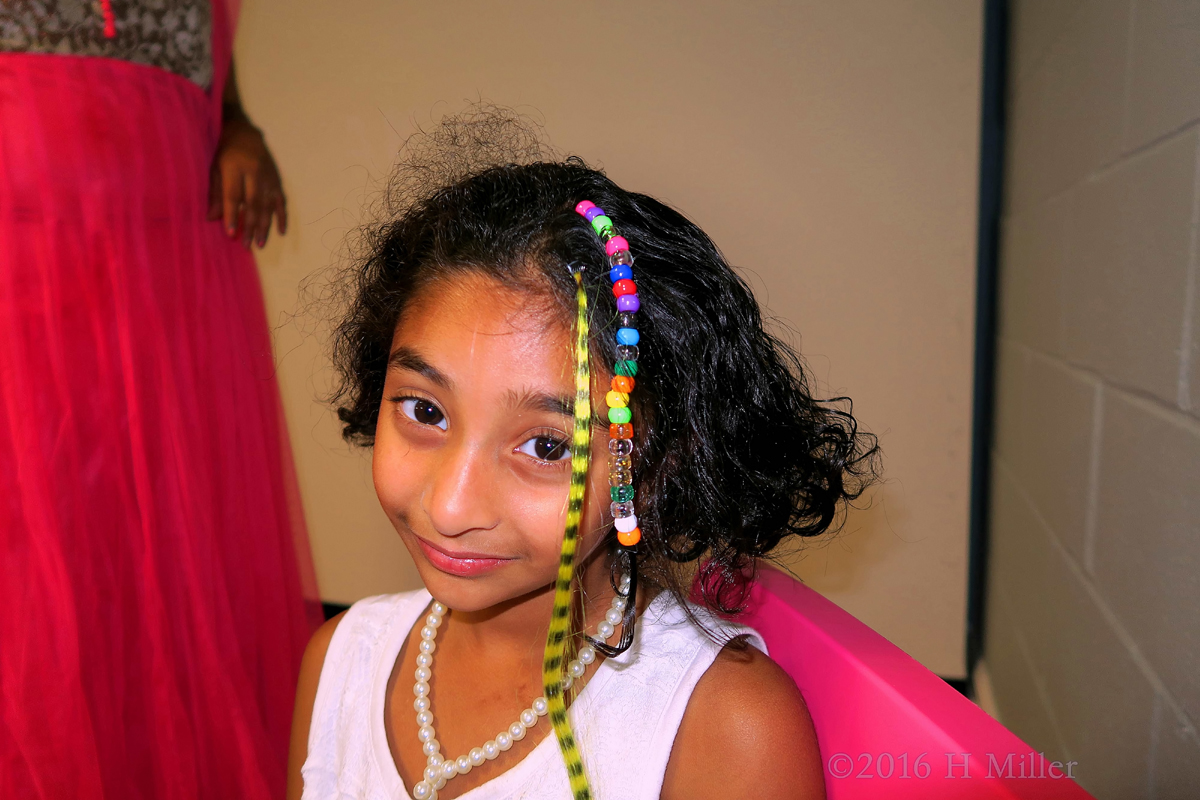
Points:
[[459, 563]]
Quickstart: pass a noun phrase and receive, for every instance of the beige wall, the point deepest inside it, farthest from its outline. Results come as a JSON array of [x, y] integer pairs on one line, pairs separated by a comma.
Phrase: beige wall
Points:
[[829, 148], [1093, 636]]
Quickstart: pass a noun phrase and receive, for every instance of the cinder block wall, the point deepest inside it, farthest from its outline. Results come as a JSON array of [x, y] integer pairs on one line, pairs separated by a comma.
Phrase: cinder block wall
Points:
[[1093, 629]]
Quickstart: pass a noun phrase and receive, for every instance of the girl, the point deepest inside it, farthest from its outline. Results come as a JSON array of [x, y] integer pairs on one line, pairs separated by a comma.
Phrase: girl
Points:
[[481, 307]]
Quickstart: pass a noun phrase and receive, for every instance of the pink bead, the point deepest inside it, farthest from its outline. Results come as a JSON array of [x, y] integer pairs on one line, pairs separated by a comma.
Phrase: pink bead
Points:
[[616, 243], [583, 206]]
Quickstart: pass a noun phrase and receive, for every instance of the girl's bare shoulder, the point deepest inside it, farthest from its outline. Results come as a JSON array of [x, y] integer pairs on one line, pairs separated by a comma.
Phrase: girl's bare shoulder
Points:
[[746, 719]]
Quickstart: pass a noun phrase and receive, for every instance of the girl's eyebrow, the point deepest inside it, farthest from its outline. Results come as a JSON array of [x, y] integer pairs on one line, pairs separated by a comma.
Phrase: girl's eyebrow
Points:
[[407, 358], [542, 402]]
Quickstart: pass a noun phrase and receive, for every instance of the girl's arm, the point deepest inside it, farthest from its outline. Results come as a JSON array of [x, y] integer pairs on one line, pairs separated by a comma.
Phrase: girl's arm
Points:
[[306, 694], [747, 726]]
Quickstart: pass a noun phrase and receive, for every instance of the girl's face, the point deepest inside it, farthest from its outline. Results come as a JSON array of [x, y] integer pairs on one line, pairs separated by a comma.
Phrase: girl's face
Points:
[[472, 458]]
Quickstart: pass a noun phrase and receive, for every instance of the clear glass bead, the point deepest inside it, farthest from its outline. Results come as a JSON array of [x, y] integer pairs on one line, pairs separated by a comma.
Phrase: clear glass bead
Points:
[[620, 257], [619, 510], [620, 447], [627, 319], [616, 462], [621, 477], [627, 352]]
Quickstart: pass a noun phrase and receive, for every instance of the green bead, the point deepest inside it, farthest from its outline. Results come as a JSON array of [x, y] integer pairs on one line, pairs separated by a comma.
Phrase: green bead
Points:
[[600, 224], [628, 368], [621, 494], [619, 415]]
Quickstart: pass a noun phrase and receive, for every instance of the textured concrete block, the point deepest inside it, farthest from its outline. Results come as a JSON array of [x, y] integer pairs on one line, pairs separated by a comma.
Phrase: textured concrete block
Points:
[[1019, 701], [1147, 543], [1008, 436], [1100, 700], [1058, 415], [1066, 115], [1032, 264], [1176, 770], [1164, 69], [1033, 26], [1126, 277]]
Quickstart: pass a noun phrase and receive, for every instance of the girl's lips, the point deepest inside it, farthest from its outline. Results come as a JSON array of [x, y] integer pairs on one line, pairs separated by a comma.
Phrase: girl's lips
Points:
[[459, 563]]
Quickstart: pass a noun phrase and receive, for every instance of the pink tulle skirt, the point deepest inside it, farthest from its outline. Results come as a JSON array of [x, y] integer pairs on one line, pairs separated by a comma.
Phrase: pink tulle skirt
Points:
[[154, 567]]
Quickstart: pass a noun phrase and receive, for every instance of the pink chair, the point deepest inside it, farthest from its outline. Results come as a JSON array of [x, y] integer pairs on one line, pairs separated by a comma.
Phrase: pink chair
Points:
[[888, 727]]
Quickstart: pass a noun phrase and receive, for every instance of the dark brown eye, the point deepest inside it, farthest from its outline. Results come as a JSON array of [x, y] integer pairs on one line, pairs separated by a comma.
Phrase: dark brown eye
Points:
[[423, 411], [546, 448]]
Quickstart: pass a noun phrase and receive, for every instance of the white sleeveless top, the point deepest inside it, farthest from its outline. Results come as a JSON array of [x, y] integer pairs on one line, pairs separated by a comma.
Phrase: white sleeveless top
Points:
[[625, 718]]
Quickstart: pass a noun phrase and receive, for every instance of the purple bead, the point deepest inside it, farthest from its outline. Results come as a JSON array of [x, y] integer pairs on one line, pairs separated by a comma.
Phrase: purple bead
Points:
[[593, 212], [621, 272], [628, 302]]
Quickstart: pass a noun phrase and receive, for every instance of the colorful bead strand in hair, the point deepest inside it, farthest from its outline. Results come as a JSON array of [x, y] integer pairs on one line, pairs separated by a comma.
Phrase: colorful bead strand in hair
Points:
[[620, 417], [560, 620]]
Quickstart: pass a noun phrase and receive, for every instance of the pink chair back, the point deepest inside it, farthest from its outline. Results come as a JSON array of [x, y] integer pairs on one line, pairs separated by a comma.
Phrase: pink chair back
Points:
[[887, 726]]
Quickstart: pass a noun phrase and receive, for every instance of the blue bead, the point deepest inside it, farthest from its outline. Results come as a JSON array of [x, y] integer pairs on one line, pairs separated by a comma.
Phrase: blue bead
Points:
[[627, 336], [621, 272], [593, 212]]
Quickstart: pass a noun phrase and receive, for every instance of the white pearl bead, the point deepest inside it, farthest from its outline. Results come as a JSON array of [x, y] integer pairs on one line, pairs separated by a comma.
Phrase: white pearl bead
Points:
[[421, 689], [567, 681], [476, 756], [428, 632], [425, 733], [449, 769], [490, 750], [503, 741], [463, 763], [587, 654], [421, 704], [431, 747], [528, 718], [422, 791], [441, 781], [424, 660], [424, 718], [605, 629], [516, 731], [438, 608], [540, 706], [422, 674], [432, 773], [436, 759], [433, 620], [576, 670], [612, 617], [428, 646]]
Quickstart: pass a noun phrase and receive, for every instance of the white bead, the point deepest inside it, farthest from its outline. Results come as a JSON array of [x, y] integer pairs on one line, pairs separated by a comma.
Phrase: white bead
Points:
[[422, 674], [528, 718], [433, 620], [438, 608], [449, 768], [490, 749], [605, 629], [425, 733], [540, 706], [424, 660], [427, 646], [441, 781], [476, 756], [428, 632], [626, 524], [619, 604], [421, 704], [432, 747], [421, 689], [503, 741], [436, 760], [624, 584], [612, 616], [576, 670], [567, 681], [516, 731], [432, 773], [463, 764], [422, 791], [587, 654], [424, 718]]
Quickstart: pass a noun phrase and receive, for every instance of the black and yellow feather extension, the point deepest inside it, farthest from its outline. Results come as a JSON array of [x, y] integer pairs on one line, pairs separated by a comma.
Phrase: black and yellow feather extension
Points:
[[560, 620]]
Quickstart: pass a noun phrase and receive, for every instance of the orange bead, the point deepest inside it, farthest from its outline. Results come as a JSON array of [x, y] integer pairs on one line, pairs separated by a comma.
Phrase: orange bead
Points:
[[622, 383], [629, 538], [621, 430]]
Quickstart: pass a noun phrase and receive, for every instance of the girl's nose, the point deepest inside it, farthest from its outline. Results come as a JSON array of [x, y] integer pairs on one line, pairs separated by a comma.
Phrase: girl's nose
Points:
[[459, 496]]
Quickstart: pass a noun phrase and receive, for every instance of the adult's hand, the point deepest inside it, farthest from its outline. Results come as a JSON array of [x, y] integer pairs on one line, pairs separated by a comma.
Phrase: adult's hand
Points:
[[245, 191]]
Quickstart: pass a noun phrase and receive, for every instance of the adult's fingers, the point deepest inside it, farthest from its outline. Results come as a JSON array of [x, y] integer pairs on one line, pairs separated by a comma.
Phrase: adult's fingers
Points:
[[252, 210], [266, 206], [281, 213], [233, 194]]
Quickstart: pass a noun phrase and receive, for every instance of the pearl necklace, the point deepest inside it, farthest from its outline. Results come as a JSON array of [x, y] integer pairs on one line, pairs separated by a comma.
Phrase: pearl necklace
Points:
[[438, 770]]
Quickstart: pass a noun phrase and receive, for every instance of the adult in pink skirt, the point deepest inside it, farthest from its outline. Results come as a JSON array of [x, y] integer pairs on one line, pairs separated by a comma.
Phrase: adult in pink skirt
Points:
[[156, 589]]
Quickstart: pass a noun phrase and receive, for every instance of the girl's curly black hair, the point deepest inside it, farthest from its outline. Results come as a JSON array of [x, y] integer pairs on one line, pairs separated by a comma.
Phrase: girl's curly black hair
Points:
[[733, 452]]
